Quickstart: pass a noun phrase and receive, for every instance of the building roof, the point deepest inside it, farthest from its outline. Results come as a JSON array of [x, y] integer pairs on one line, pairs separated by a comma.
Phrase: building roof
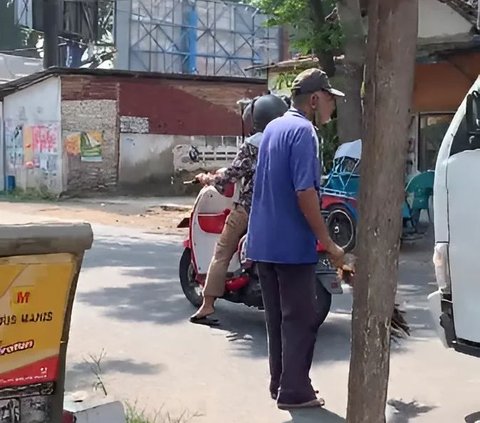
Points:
[[18, 84], [14, 67], [466, 8], [299, 61]]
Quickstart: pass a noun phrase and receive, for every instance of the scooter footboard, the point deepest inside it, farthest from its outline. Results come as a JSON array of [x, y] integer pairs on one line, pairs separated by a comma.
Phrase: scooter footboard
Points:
[[327, 276]]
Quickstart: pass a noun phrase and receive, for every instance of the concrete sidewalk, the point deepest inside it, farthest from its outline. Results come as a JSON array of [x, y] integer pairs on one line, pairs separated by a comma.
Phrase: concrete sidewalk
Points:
[[178, 202]]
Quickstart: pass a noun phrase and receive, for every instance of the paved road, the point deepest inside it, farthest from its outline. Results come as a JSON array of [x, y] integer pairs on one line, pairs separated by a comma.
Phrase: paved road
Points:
[[129, 303]]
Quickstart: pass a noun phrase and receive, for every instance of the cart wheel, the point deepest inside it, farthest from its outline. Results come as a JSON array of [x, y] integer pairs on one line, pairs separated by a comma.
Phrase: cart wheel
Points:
[[341, 226]]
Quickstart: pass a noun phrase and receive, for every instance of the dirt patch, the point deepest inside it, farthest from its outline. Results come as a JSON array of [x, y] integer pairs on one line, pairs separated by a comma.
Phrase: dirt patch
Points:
[[153, 218]]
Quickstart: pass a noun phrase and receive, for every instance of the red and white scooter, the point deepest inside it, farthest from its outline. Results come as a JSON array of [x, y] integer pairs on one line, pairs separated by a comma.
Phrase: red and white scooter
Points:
[[205, 225]]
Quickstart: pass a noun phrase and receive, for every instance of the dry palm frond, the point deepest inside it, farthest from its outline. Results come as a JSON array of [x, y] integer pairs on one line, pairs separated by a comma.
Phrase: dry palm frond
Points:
[[399, 326]]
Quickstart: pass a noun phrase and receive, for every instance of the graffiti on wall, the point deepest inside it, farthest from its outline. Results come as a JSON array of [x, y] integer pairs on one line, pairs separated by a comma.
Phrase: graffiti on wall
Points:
[[43, 148], [134, 125], [32, 146], [9, 411], [86, 145], [13, 145], [210, 158]]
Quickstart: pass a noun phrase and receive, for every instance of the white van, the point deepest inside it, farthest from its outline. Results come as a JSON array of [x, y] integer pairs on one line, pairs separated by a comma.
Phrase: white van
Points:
[[456, 201]]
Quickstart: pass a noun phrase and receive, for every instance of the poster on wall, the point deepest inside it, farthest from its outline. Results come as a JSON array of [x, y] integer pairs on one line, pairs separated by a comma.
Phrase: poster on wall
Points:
[[13, 145], [41, 149], [86, 145], [34, 292]]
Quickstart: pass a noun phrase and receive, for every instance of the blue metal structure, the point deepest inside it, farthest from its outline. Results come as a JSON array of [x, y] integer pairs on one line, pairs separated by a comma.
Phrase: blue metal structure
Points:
[[207, 37]]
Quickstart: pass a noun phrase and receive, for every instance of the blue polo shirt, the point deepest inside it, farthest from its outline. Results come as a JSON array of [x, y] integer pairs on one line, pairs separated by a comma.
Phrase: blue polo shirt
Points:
[[287, 163]]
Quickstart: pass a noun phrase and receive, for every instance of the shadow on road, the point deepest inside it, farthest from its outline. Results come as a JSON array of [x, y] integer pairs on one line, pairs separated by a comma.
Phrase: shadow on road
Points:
[[82, 374], [403, 412], [152, 292], [416, 282], [315, 416], [245, 329]]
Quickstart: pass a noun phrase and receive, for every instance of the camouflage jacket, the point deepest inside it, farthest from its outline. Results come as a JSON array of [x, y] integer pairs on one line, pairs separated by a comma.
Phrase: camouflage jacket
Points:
[[242, 169]]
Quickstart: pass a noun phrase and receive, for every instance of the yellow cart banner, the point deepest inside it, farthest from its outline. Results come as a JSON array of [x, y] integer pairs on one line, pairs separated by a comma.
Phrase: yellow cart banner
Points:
[[34, 292]]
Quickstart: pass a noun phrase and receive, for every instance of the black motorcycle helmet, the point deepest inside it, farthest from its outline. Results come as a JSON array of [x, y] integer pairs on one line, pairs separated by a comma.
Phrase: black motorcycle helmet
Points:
[[262, 110]]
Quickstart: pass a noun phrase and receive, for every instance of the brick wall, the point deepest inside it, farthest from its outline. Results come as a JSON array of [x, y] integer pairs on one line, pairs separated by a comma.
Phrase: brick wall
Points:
[[75, 87], [187, 107], [89, 173]]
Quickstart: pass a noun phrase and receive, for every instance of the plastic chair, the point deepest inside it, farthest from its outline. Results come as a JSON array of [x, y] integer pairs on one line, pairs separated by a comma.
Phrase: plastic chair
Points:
[[418, 192]]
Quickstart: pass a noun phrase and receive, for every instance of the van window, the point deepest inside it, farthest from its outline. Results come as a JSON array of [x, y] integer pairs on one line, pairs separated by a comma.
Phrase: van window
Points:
[[462, 141], [432, 128]]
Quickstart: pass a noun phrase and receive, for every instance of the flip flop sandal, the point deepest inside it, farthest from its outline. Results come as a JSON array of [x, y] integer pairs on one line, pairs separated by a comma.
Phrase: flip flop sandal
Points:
[[274, 395], [204, 320], [316, 403]]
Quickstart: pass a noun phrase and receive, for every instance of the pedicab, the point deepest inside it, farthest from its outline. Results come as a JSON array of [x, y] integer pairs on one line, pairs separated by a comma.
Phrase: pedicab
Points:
[[340, 191]]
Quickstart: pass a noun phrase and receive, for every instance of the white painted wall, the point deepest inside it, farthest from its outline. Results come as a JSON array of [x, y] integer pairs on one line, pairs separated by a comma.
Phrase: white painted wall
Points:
[[148, 158], [439, 22], [32, 136]]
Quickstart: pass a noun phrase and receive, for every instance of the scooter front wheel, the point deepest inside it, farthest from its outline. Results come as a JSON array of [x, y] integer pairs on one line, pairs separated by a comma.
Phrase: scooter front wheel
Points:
[[190, 287]]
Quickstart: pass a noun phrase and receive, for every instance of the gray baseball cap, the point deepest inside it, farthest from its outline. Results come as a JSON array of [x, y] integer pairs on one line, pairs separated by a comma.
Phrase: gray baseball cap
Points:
[[312, 80]]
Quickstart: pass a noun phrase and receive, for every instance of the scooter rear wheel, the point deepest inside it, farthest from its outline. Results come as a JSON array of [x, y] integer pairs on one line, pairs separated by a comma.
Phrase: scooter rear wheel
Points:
[[191, 289]]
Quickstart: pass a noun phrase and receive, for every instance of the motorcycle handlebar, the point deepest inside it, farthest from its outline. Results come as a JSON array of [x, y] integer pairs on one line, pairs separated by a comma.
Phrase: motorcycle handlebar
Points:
[[192, 182]]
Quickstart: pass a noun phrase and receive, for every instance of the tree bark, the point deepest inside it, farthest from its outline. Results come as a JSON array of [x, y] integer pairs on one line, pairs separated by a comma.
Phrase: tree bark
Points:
[[350, 81], [389, 85]]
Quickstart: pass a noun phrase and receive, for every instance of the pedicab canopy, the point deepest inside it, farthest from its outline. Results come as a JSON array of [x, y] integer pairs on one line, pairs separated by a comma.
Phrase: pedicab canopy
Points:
[[351, 149], [39, 268]]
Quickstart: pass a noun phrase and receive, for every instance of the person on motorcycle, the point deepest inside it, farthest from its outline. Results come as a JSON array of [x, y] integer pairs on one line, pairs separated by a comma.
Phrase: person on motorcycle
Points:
[[261, 111], [285, 225]]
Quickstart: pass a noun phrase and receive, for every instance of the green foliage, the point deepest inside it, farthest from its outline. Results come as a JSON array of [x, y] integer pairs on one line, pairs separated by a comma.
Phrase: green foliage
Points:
[[308, 37], [330, 144], [134, 415]]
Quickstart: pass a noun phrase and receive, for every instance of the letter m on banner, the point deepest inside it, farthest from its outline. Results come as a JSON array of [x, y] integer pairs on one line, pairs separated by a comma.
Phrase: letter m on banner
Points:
[[21, 295]]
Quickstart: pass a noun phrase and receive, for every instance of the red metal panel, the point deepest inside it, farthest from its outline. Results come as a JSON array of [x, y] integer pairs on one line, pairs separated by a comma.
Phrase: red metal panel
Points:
[[187, 107]]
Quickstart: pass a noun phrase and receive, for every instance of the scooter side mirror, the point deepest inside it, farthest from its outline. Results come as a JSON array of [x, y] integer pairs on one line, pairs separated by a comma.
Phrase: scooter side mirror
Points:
[[473, 113]]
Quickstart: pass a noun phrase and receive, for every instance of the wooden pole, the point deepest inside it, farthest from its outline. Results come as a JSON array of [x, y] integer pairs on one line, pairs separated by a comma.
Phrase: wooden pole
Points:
[[391, 50]]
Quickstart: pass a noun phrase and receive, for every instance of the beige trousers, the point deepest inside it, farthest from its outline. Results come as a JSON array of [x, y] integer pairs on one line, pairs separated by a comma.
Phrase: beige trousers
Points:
[[235, 227]]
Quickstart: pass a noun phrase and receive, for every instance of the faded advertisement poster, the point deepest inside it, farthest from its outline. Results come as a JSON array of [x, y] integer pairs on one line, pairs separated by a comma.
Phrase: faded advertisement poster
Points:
[[86, 145], [32, 146]]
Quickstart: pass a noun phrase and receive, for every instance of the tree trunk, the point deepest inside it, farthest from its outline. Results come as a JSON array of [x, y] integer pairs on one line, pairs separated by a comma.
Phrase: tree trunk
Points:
[[350, 81], [389, 85], [325, 58]]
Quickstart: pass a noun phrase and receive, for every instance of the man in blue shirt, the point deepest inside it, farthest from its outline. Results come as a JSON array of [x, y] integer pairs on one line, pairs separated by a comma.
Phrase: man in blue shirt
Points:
[[285, 224]]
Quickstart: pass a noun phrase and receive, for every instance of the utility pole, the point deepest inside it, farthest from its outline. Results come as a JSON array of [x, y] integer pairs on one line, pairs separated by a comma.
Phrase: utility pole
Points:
[[390, 65], [50, 28]]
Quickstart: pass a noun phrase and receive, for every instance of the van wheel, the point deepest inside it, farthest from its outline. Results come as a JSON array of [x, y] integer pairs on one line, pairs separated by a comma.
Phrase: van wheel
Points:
[[191, 289]]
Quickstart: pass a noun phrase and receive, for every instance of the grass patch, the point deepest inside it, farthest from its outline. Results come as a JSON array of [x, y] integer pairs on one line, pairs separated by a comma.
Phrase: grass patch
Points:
[[29, 194], [134, 415]]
